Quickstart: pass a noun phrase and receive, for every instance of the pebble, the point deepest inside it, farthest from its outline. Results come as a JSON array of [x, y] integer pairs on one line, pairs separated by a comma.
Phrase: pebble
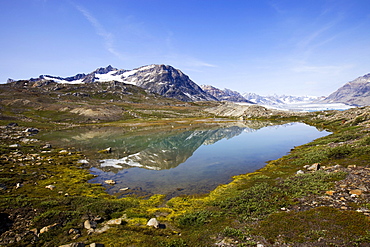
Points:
[[110, 181], [50, 187]]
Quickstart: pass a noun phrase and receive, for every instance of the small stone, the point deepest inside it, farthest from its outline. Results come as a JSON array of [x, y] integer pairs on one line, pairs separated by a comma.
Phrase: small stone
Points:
[[356, 192], [14, 146], [48, 228], [50, 187], [83, 162], [77, 236], [299, 172], [96, 245], [63, 152], [47, 146], [107, 150], [343, 208], [78, 245], [153, 222], [110, 181], [74, 231], [124, 189], [330, 192]]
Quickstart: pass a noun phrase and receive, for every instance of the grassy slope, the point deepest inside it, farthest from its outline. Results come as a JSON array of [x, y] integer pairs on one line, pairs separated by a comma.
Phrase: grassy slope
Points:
[[241, 213]]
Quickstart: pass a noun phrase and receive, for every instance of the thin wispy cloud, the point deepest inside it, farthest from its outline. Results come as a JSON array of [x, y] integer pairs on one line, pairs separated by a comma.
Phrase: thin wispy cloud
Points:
[[101, 31]]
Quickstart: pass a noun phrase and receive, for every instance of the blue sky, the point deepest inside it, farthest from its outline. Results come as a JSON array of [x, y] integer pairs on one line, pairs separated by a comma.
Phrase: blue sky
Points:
[[294, 47]]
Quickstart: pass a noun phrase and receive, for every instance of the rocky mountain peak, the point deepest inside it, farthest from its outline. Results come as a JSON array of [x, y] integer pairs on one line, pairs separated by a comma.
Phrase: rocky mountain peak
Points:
[[225, 94], [105, 70], [356, 92]]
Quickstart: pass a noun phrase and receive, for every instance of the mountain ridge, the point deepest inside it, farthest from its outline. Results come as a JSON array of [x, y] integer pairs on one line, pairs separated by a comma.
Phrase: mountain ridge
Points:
[[161, 79], [355, 92]]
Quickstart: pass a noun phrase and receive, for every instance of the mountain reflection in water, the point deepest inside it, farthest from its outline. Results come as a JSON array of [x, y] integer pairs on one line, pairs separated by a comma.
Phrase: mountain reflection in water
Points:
[[182, 160], [171, 151]]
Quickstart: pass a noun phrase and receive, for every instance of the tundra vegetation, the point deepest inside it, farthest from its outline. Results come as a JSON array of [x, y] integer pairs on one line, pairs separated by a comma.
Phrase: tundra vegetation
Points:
[[317, 195]]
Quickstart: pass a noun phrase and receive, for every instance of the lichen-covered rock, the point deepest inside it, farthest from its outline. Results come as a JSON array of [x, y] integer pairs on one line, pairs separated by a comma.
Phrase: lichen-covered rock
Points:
[[153, 222]]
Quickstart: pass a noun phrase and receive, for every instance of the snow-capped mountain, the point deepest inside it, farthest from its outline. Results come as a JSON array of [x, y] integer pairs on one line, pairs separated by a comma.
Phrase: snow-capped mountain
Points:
[[162, 79], [224, 95], [280, 99], [355, 92]]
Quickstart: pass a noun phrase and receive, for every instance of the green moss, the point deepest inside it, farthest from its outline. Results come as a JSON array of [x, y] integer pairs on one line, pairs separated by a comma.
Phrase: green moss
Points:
[[328, 225]]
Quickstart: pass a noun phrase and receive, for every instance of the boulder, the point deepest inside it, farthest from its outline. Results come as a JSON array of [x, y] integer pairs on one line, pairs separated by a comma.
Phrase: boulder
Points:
[[89, 225], [314, 167]]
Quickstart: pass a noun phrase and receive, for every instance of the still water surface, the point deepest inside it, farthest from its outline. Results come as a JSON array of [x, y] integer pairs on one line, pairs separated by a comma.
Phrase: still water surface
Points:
[[185, 161]]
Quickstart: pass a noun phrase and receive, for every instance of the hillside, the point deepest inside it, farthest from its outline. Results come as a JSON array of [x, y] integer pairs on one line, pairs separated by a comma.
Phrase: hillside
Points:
[[356, 92], [64, 103]]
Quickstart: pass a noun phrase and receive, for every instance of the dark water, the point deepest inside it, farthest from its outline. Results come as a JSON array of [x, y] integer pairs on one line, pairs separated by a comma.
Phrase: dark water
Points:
[[184, 161]]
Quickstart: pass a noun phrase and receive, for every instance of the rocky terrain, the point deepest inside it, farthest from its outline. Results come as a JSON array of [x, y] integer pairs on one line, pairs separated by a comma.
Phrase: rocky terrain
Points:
[[240, 111], [336, 189]]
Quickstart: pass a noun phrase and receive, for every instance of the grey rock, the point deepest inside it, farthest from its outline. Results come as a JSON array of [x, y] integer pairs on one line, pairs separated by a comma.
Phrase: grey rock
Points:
[[31, 130]]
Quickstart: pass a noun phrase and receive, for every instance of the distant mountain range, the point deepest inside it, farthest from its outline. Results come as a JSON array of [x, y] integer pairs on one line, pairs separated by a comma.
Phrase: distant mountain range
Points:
[[173, 83], [280, 99]]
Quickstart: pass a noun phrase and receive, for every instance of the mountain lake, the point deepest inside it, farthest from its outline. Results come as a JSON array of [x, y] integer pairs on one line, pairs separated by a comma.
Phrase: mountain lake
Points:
[[180, 158]]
